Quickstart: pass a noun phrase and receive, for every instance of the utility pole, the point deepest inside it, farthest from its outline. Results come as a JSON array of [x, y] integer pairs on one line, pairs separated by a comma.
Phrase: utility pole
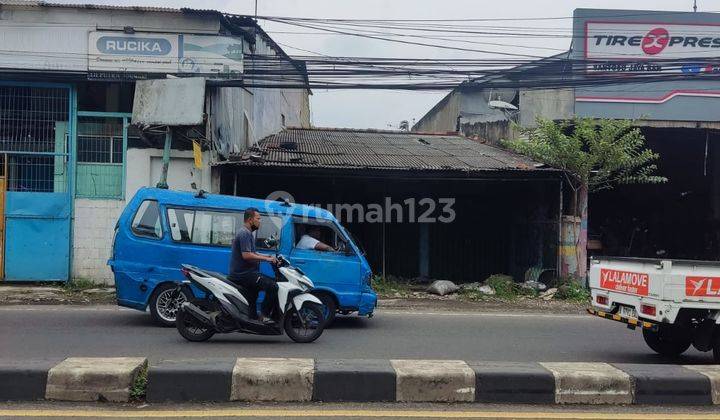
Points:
[[694, 6], [256, 9]]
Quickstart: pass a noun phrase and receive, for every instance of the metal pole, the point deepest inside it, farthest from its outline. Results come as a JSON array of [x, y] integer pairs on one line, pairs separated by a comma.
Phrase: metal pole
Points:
[[383, 248], [166, 160], [558, 263]]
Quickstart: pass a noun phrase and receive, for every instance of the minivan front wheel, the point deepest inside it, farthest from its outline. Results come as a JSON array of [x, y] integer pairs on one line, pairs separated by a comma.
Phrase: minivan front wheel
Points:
[[164, 304], [329, 307]]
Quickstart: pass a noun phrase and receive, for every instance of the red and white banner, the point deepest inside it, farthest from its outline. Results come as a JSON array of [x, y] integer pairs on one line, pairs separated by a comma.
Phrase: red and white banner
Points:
[[625, 281], [702, 286]]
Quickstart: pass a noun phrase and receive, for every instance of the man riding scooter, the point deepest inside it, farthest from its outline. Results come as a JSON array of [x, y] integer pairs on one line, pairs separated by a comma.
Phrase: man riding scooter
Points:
[[244, 264]]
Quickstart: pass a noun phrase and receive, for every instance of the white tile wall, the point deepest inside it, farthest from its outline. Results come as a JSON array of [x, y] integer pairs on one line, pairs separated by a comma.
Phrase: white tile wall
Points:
[[93, 229]]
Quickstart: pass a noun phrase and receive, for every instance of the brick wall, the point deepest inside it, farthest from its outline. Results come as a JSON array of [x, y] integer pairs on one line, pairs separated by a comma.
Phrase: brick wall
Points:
[[92, 238]]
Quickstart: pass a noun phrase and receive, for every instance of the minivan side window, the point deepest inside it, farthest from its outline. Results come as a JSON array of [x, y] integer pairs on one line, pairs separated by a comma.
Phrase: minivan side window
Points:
[[207, 227], [146, 222], [327, 232], [203, 227]]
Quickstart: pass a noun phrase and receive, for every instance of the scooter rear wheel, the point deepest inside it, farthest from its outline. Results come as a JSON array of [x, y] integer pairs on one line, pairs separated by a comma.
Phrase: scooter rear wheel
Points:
[[307, 329], [191, 329]]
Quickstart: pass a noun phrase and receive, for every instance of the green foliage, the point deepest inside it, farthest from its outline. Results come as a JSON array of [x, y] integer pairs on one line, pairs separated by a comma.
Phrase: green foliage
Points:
[[79, 284], [504, 285], [390, 286], [473, 295], [572, 290], [600, 153], [139, 387]]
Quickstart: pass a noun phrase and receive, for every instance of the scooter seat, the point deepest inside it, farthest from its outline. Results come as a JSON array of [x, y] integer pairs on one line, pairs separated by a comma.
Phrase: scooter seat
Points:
[[243, 291]]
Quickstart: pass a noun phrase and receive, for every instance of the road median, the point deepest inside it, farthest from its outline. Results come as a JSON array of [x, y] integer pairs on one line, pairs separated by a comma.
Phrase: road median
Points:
[[301, 380]]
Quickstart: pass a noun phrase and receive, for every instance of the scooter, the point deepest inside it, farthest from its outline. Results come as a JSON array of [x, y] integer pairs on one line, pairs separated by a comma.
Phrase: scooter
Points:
[[226, 306]]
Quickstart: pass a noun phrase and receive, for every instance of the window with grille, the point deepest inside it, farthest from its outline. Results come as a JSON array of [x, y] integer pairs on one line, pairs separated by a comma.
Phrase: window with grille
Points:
[[34, 134], [100, 157]]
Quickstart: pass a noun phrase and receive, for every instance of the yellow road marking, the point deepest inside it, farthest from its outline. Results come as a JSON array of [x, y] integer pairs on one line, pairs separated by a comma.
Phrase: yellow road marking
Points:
[[299, 412]]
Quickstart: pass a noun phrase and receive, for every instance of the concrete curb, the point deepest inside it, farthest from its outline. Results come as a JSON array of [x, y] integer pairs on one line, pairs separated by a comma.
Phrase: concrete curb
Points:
[[298, 380]]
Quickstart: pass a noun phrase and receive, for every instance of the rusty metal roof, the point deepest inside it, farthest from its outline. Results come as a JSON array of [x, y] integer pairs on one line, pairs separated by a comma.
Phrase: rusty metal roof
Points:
[[374, 149], [36, 3]]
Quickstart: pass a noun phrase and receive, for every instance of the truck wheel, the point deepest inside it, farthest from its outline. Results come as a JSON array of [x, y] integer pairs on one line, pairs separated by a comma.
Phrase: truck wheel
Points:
[[716, 347], [667, 342]]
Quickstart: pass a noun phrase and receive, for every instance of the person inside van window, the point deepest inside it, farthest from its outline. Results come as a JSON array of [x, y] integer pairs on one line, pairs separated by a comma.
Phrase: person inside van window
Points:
[[244, 266], [311, 240]]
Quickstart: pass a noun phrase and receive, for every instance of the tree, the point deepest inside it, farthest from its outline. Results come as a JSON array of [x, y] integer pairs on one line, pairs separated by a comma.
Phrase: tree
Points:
[[404, 125], [596, 154]]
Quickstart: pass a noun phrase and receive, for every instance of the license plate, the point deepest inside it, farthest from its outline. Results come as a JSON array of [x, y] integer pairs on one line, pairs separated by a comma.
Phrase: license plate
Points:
[[628, 312]]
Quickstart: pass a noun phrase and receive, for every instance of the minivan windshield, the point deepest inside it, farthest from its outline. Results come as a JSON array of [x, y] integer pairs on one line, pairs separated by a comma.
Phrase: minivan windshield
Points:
[[354, 239]]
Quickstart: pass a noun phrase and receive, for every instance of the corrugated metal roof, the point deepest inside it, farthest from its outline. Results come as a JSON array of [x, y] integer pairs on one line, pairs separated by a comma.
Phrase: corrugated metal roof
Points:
[[368, 149], [36, 3]]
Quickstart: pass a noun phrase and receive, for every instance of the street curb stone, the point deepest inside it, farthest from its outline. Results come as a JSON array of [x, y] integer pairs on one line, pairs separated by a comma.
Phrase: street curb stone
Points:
[[93, 379], [24, 380], [513, 382], [590, 383], [360, 380], [712, 372], [279, 380], [434, 381], [190, 380], [667, 384]]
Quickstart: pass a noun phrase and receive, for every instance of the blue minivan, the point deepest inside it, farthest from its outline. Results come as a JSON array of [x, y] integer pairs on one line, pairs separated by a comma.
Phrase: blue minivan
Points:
[[161, 229]]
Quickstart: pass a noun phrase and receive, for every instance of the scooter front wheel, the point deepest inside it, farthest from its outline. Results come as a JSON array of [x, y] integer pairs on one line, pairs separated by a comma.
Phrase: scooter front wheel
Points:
[[305, 325], [191, 329]]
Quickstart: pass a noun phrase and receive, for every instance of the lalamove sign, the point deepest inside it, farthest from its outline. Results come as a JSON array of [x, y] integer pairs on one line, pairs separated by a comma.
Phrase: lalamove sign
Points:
[[164, 53], [644, 47]]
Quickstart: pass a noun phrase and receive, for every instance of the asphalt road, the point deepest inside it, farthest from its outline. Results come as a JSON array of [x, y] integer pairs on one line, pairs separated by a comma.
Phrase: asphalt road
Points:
[[40, 332]]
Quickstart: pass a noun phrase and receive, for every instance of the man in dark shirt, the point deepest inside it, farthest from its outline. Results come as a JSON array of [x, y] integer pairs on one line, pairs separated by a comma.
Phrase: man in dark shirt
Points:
[[244, 262]]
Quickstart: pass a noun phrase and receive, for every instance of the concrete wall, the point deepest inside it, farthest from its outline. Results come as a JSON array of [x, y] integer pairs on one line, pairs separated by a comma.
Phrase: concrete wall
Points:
[[65, 30], [240, 117], [93, 227], [144, 168], [681, 100], [271, 104], [442, 117], [553, 104]]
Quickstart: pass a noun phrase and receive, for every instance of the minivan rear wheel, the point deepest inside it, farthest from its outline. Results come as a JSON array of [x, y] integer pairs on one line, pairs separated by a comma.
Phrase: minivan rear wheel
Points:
[[164, 304]]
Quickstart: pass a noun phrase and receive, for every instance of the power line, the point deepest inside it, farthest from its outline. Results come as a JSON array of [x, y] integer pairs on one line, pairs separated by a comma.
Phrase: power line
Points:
[[511, 19]]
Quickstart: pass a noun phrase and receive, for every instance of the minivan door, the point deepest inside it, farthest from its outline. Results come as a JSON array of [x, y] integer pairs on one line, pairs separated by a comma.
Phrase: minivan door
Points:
[[337, 271]]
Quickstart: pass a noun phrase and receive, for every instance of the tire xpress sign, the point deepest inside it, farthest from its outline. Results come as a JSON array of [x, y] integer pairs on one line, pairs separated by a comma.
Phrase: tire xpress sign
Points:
[[165, 53], [641, 47], [133, 53], [625, 281], [647, 41]]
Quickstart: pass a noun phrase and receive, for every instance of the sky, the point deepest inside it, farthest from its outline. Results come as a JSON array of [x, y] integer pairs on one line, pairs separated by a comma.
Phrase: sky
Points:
[[384, 109]]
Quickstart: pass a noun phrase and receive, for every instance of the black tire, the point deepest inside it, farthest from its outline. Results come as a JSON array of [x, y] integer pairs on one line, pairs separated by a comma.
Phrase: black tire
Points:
[[330, 307], [716, 346], [313, 314], [162, 315], [667, 342], [191, 329]]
